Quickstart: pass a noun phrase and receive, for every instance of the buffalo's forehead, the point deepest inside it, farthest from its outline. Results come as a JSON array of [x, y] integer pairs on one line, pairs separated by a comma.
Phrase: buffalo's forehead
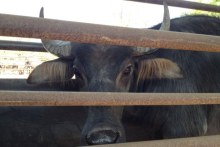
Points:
[[100, 59]]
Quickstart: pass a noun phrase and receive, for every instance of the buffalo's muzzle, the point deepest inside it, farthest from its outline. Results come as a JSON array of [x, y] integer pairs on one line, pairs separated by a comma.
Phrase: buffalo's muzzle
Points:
[[107, 136]]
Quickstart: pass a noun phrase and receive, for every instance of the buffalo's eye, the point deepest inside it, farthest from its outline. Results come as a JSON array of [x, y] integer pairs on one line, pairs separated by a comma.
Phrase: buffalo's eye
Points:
[[128, 70], [76, 72]]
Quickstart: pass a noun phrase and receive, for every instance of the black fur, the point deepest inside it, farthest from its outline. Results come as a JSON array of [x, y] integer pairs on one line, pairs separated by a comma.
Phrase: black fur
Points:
[[201, 74]]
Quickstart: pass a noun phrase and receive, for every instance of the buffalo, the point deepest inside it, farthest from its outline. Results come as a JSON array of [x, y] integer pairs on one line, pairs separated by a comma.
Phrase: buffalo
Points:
[[108, 68]]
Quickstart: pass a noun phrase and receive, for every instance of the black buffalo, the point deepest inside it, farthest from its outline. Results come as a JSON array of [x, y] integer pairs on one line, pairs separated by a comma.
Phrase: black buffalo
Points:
[[105, 68]]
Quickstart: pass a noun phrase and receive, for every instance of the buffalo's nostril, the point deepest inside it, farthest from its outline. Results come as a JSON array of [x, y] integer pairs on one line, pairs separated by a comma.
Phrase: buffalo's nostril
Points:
[[102, 137]]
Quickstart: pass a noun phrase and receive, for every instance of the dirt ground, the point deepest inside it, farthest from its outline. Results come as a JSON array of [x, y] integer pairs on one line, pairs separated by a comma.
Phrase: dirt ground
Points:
[[19, 64]]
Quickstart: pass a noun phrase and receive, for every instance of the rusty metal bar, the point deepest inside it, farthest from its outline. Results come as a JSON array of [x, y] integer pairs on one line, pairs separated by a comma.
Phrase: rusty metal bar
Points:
[[53, 98], [184, 4], [21, 46], [20, 26], [204, 141]]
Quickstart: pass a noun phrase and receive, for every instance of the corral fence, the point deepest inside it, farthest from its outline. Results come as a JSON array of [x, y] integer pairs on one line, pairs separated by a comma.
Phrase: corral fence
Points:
[[20, 26]]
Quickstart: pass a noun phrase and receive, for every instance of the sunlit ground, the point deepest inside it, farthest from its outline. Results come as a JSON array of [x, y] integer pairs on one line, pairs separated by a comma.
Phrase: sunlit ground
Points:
[[18, 64]]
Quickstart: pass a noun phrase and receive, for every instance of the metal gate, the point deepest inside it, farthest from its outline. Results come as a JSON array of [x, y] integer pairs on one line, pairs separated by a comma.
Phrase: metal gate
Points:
[[20, 26]]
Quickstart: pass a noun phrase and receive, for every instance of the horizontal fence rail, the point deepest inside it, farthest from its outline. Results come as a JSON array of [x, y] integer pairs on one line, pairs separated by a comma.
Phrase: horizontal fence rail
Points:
[[184, 4], [205, 141], [52, 98], [21, 46], [21, 26]]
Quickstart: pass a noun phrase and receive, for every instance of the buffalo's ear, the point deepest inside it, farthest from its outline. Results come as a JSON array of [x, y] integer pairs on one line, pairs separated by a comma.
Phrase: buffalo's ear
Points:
[[158, 68], [52, 71]]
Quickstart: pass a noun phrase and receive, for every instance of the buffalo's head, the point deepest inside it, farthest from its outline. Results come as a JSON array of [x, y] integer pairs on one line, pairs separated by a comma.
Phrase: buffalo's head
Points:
[[103, 68]]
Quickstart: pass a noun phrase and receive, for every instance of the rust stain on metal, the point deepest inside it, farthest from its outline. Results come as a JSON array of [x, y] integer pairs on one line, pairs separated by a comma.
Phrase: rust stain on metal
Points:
[[21, 26], [52, 98]]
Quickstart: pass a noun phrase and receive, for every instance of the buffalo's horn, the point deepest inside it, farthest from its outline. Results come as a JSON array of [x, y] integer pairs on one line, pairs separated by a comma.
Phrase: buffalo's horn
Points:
[[56, 47], [165, 26], [166, 18]]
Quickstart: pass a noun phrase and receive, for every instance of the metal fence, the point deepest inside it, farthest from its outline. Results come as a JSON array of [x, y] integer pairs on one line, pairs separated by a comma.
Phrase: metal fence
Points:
[[183, 4], [205, 141], [20, 26]]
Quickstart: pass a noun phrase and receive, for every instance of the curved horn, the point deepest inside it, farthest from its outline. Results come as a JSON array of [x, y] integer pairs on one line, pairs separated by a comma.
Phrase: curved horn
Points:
[[56, 47], [165, 26]]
